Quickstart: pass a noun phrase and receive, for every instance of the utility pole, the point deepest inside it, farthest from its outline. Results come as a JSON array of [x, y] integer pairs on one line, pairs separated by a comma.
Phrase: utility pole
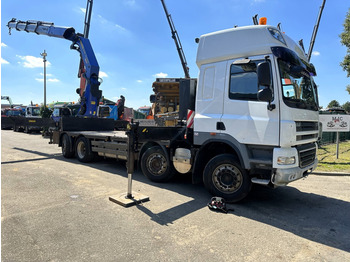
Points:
[[44, 60]]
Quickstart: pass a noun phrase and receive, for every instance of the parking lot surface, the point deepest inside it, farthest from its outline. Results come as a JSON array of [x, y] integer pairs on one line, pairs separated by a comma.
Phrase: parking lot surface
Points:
[[57, 209]]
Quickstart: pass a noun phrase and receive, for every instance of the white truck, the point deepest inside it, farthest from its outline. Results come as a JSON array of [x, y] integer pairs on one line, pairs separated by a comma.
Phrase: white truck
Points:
[[250, 117]]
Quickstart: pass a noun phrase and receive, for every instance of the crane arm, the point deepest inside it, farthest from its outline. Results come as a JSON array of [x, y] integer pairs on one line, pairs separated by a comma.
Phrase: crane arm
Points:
[[42, 28], [8, 99], [314, 33], [90, 93], [176, 38]]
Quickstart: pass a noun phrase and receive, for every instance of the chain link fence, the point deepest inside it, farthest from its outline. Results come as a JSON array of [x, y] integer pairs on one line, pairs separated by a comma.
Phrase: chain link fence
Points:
[[331, 137]]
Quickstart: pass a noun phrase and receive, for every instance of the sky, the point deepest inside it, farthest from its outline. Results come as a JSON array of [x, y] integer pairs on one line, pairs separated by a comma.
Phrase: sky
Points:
[[133, 45]]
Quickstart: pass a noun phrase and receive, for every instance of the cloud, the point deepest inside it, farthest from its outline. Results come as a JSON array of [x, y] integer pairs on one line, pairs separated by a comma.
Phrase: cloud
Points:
[[110, 24], [52, 80], [119, 27], [32, 61], [102, 74], [139, 81], [4, 62], [47, 75], [160, 75], [82, 9], [3, 45], [316, 53]]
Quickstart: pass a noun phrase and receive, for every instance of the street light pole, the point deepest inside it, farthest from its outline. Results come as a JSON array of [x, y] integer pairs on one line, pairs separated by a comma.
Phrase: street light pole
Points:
[[44, 60]]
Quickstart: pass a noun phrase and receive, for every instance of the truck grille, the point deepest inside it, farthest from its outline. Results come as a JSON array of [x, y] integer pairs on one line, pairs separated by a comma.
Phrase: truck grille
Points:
[[307, 154], [306, 137], [306, 126], [306, 130]]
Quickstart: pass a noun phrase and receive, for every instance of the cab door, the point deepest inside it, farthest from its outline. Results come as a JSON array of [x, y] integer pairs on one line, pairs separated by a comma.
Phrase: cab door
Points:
[[246, 119]]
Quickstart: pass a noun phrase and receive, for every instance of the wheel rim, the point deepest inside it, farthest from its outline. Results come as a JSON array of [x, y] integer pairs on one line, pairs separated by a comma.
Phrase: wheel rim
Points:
[[157, 164], [81, 149], [227, 178]]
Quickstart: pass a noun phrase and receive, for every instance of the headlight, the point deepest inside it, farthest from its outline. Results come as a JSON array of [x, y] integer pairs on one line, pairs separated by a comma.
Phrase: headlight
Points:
[[282, 160]]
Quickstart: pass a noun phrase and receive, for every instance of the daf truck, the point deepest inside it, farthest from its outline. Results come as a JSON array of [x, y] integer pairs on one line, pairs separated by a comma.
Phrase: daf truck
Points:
[[250, 117]]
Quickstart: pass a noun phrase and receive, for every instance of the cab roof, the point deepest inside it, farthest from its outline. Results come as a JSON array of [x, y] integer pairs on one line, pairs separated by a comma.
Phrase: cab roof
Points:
[[241, 42]]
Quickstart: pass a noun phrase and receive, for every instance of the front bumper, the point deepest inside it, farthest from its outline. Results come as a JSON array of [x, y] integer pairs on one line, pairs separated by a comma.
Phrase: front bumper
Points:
[[282, 177]]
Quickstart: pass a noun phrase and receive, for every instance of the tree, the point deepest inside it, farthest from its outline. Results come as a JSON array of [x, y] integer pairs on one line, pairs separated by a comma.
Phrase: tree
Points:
[[333, 103], [346, 107], [345, 40], [45, 112]]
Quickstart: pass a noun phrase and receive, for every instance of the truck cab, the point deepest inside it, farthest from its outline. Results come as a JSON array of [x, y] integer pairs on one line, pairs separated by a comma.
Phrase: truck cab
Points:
[[32, 111], [256, 96]]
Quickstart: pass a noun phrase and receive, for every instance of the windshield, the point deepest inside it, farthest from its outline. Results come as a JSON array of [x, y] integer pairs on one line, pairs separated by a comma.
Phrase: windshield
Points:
[[14, 113], [36, 111], [298, 88]]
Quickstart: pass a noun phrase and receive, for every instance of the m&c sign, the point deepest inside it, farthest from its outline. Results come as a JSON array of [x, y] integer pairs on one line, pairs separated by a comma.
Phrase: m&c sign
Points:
[[335, 123]]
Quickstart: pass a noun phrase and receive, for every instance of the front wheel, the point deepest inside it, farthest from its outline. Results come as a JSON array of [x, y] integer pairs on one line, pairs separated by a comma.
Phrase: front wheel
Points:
[[156, 165], [224, 177], [83, 150]]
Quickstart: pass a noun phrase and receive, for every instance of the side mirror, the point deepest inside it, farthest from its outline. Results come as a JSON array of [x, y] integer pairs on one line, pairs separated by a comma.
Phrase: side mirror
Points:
[[264, 74], [152, 99], [265, 95]]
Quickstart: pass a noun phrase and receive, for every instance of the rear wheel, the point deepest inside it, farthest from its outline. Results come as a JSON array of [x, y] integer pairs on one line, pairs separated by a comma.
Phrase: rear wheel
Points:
[[83, 150], [156, 165], [67, 146], [224, 177]]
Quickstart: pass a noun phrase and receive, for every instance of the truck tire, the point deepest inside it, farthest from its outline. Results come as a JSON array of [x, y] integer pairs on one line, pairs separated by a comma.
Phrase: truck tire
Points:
[[83, 150], [224, 177], [156, 165], [67, 147], [26, 130]]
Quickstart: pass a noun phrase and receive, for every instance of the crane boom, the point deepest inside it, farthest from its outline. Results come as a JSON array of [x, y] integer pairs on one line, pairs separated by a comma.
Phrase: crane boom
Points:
[[88, 13], [90, 95], [314, 33], [8, 99], [82, 69], [177, 41]]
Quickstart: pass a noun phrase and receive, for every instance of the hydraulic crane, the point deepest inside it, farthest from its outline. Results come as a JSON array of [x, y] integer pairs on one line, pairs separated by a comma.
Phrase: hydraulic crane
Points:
[[314, 33], [8, 99], [82, 70], [89, 91], [176, 38]]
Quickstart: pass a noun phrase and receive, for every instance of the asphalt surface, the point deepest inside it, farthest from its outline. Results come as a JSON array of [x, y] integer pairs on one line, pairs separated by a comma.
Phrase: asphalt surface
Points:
[[54, 209]]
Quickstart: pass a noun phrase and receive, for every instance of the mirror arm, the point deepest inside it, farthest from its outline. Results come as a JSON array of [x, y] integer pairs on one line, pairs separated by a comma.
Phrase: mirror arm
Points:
[[270, 106]]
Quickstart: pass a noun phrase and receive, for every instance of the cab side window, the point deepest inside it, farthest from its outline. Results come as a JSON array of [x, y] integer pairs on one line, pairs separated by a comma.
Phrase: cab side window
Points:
[[244, 81]]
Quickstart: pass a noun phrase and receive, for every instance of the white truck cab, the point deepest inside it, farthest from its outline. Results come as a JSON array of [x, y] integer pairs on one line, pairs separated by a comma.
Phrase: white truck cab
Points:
[[255, 94]]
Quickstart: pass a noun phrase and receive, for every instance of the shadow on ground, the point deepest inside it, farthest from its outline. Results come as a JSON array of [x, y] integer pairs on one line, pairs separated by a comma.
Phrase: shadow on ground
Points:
[[314, 217]]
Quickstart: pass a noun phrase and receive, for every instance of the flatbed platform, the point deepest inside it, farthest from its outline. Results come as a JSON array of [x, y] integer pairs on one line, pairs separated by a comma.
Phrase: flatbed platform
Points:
[[100, 134]]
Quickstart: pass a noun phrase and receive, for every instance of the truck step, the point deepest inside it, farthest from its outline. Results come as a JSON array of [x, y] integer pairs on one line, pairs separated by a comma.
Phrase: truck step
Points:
[[264, 182]]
